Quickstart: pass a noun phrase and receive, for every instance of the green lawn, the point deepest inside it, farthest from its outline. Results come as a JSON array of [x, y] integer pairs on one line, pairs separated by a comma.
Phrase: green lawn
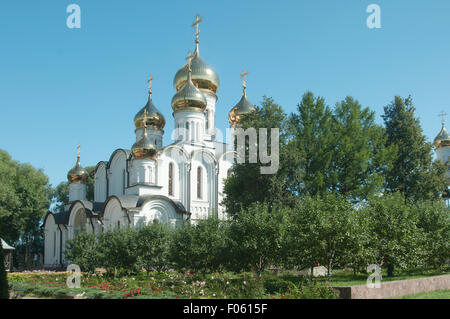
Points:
[[437, 294], [341, 278]]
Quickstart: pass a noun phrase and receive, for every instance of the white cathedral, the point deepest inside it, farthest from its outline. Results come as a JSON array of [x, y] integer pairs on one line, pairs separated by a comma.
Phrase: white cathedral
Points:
[[151, 182], [173, 184]]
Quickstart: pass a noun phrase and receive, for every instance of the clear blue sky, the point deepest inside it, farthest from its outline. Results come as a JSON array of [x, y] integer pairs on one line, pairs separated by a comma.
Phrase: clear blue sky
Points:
[[61, 86]]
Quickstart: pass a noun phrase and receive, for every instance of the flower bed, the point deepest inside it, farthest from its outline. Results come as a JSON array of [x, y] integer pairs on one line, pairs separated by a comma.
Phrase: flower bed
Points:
[[163, 285]]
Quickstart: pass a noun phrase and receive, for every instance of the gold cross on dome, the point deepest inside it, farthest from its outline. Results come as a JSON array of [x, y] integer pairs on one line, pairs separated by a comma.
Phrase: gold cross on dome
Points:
[[145, 118], [196, 25], [244, 81], [78, 149], [189, 58], [150, 84], [443, 115]]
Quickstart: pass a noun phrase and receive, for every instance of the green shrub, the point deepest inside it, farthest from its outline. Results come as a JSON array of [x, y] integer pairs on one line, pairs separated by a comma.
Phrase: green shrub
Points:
[[201, 247], [153, 243], [83, 251], [277, 285]]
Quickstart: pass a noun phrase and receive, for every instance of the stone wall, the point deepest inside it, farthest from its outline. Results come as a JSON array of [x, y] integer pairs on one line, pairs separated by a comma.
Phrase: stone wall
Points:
[[395, 288]]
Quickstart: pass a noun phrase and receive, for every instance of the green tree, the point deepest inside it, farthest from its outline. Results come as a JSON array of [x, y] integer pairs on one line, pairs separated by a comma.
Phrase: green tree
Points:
[[118, 250], [398, 242], [153, 247], [310, 148], [321, 230], [83, 250], [257, 236], [239, 188], [24, 200], [4, 290], [434, 220], [359, 158], [413, 172], [360, 252], [200, 247], [60, 194]]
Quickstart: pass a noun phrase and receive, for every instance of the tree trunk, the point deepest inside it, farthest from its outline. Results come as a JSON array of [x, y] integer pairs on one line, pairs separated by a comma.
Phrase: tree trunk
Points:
[[390, 270]]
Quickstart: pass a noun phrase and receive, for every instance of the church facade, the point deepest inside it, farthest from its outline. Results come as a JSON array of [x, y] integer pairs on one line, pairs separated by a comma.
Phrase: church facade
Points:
[[149, 182]]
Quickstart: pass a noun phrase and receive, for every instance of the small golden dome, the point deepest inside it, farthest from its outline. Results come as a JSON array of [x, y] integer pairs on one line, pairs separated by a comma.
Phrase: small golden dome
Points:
[[442, 139], [155, 120], [77, 174], [144, 148], [189, 97], [244, 106]]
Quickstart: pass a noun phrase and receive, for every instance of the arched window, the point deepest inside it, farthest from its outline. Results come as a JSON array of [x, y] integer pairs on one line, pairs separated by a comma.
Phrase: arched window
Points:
[[54, 244], [199, 182], [207, 120], [187, 131], [118, 224], [171, 179]]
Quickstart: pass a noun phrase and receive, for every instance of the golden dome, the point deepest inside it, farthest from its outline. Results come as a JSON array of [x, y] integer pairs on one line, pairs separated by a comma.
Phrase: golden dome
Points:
[[203, 76], [442, 139], [155, 120], [144, 148], [189, 97], [77, 174], [244, 106]]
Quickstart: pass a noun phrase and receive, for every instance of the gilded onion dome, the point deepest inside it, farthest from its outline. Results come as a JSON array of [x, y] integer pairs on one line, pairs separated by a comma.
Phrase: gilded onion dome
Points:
[[189, 97], [244, 106], [155, 120], [203, 75], [144, 148], [77, 174], [442, 139]]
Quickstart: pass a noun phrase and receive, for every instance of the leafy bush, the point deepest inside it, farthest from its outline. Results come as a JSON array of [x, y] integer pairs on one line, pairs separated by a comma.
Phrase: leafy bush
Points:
[[153, 243], [256, 237], [118, 251], [83, 250], [434, 221], [200, 247], [277, 285]]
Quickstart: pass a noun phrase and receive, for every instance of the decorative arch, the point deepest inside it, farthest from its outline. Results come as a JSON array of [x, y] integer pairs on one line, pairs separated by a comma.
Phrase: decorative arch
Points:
[[100, 182], [77, 219], [180, 157], [114, 214], [117, 171], [203, 182], [51, 240], [161, 210]]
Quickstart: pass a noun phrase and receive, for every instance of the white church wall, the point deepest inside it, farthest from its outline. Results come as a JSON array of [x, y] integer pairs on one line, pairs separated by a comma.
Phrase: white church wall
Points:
[[100, 183], [161, 211], [51, 241], [226, 161], [180, 160], [77, 191], [78, 220], [210, 116], [114, 216], [443, 154], [203, 162], [117, 173]]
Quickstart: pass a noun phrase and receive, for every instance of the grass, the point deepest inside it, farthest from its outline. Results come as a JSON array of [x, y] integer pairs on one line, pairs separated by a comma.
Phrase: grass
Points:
[[343, 278], [437, 294]]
